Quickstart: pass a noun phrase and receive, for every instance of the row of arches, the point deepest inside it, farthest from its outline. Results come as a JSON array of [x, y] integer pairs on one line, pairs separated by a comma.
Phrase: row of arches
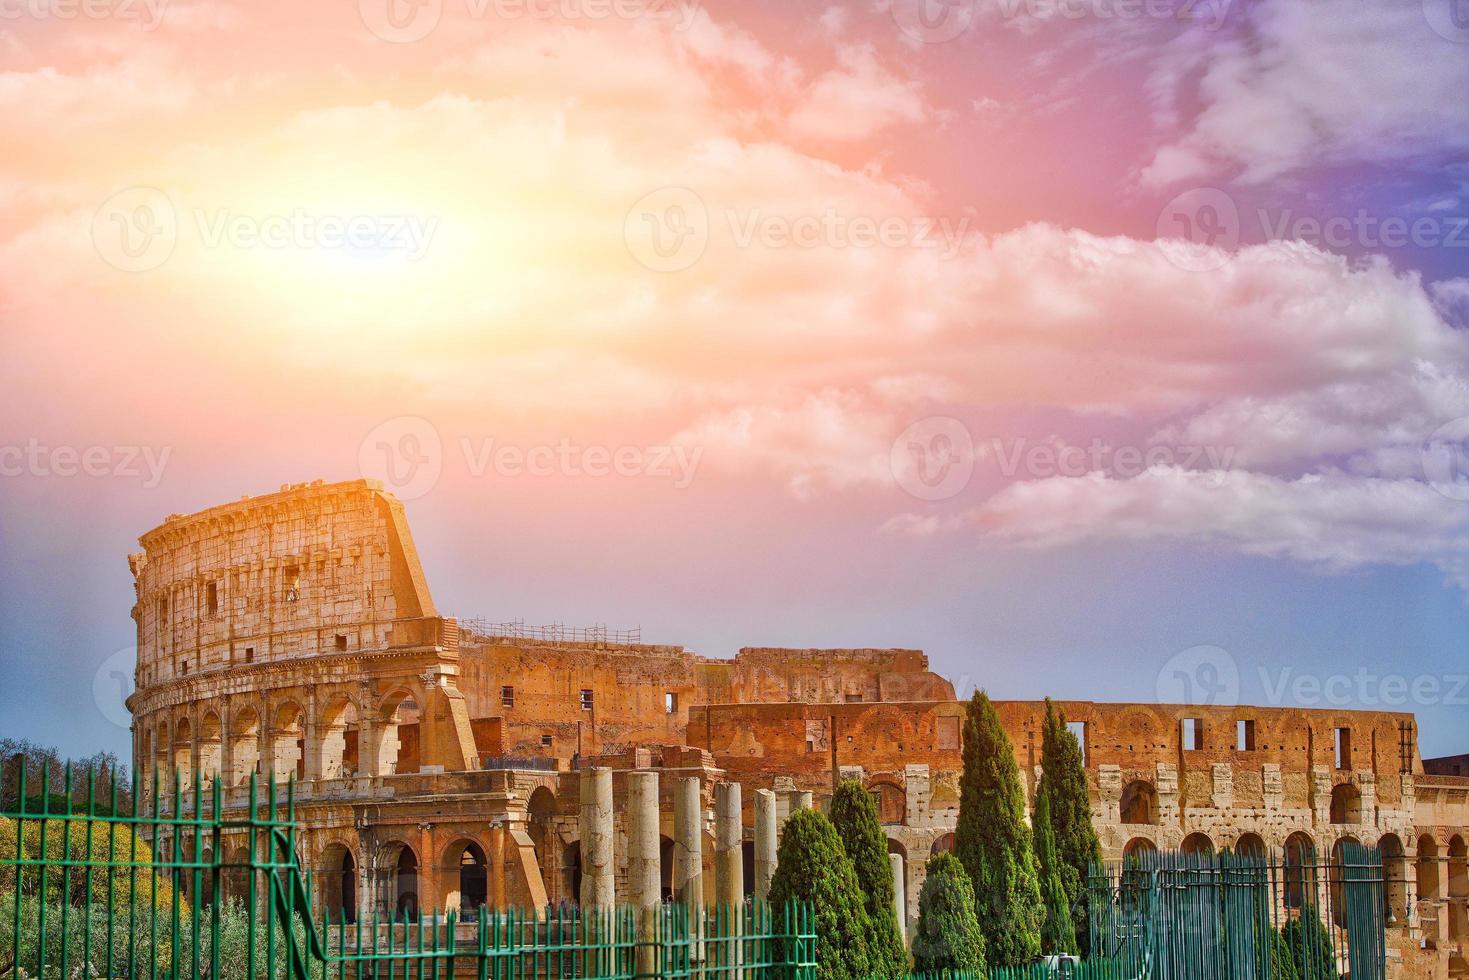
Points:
[[283, 740], [1138, 804]]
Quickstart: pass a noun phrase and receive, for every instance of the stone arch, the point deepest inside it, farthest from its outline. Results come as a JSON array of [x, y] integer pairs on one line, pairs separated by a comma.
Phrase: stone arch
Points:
[[941, 844], [286, 757], [1139, 803], [540, 812], [1395, 878], [1250, 846], [210, 747], [244, 746], [890, 797], [1138, 848], [397, 874], [1300, 870], [571, 872], [163, 756], [1336, 875], [1427, 867], [464, 871], [235, 875], [337, 880], [1458, 907], [183, 751], [337, 736], [397, 732], [1346, 804], [1198, 843]]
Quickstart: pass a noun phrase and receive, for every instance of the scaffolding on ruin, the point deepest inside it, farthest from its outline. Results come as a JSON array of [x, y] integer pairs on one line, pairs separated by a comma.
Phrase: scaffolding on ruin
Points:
[[552, 632]]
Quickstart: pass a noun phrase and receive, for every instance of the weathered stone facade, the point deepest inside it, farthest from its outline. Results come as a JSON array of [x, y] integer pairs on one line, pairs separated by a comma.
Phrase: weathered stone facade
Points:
[[293, 635]]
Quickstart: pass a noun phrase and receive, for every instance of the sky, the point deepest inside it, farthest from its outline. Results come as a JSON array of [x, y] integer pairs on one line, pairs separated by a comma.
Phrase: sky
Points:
[[1107, 349]]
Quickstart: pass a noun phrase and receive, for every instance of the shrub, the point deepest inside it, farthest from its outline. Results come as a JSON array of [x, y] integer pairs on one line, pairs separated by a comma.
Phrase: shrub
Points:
[[812, 866], [948, 937], [993, 842], [854, 815]]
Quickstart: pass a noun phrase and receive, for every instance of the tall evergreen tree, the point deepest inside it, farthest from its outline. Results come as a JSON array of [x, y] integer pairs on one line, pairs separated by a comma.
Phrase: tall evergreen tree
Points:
[[854, 815], [993, 842], [812, 866], [1058, 935], [1063, 776], [948, 937]]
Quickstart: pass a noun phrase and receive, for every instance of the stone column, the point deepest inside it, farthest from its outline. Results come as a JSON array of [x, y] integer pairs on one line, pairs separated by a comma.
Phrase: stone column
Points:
[[643, 865], [597, 870], [729, 858], [688, 849], [765, 836], [803, 801], [900, 895]]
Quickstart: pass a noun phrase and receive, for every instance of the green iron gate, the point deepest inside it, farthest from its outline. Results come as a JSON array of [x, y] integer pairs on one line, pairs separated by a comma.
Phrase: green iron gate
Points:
[[1175, 916], [86, 892]]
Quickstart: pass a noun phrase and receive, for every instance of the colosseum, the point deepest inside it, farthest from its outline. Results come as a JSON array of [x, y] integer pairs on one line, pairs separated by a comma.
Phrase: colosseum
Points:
[[441, 762]]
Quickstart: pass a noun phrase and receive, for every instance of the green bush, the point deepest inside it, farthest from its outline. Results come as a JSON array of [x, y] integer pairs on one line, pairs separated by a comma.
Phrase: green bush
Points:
[[1058, 935], [812, 866], [854, 815], [1063, 775], [948, 937], [993, 842], [1310, 946]]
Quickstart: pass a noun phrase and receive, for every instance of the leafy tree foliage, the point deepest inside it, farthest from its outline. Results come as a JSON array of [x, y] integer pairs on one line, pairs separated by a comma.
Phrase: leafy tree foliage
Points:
[[854, 815], [1063, 777], [1058, 935], [993, 842], [1310, 946], [813, 866], [948, 937]]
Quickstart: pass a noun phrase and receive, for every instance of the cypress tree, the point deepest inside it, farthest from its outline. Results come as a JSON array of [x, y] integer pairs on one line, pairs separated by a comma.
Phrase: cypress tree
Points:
[[948, 937], [1058, 935], [993, 842], [812, 866], [855, 817], [1063, 776]]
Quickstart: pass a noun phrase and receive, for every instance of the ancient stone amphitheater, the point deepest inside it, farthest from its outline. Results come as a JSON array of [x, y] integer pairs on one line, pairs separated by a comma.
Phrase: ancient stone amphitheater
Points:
[[441, 762]]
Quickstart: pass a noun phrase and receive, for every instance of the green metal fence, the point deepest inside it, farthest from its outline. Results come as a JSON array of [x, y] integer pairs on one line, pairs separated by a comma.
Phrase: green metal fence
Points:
[[86, 892], [1174, 916]]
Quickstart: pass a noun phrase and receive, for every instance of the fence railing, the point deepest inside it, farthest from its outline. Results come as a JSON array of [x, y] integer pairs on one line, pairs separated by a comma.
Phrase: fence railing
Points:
[[86, 895], [1176, 916]]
